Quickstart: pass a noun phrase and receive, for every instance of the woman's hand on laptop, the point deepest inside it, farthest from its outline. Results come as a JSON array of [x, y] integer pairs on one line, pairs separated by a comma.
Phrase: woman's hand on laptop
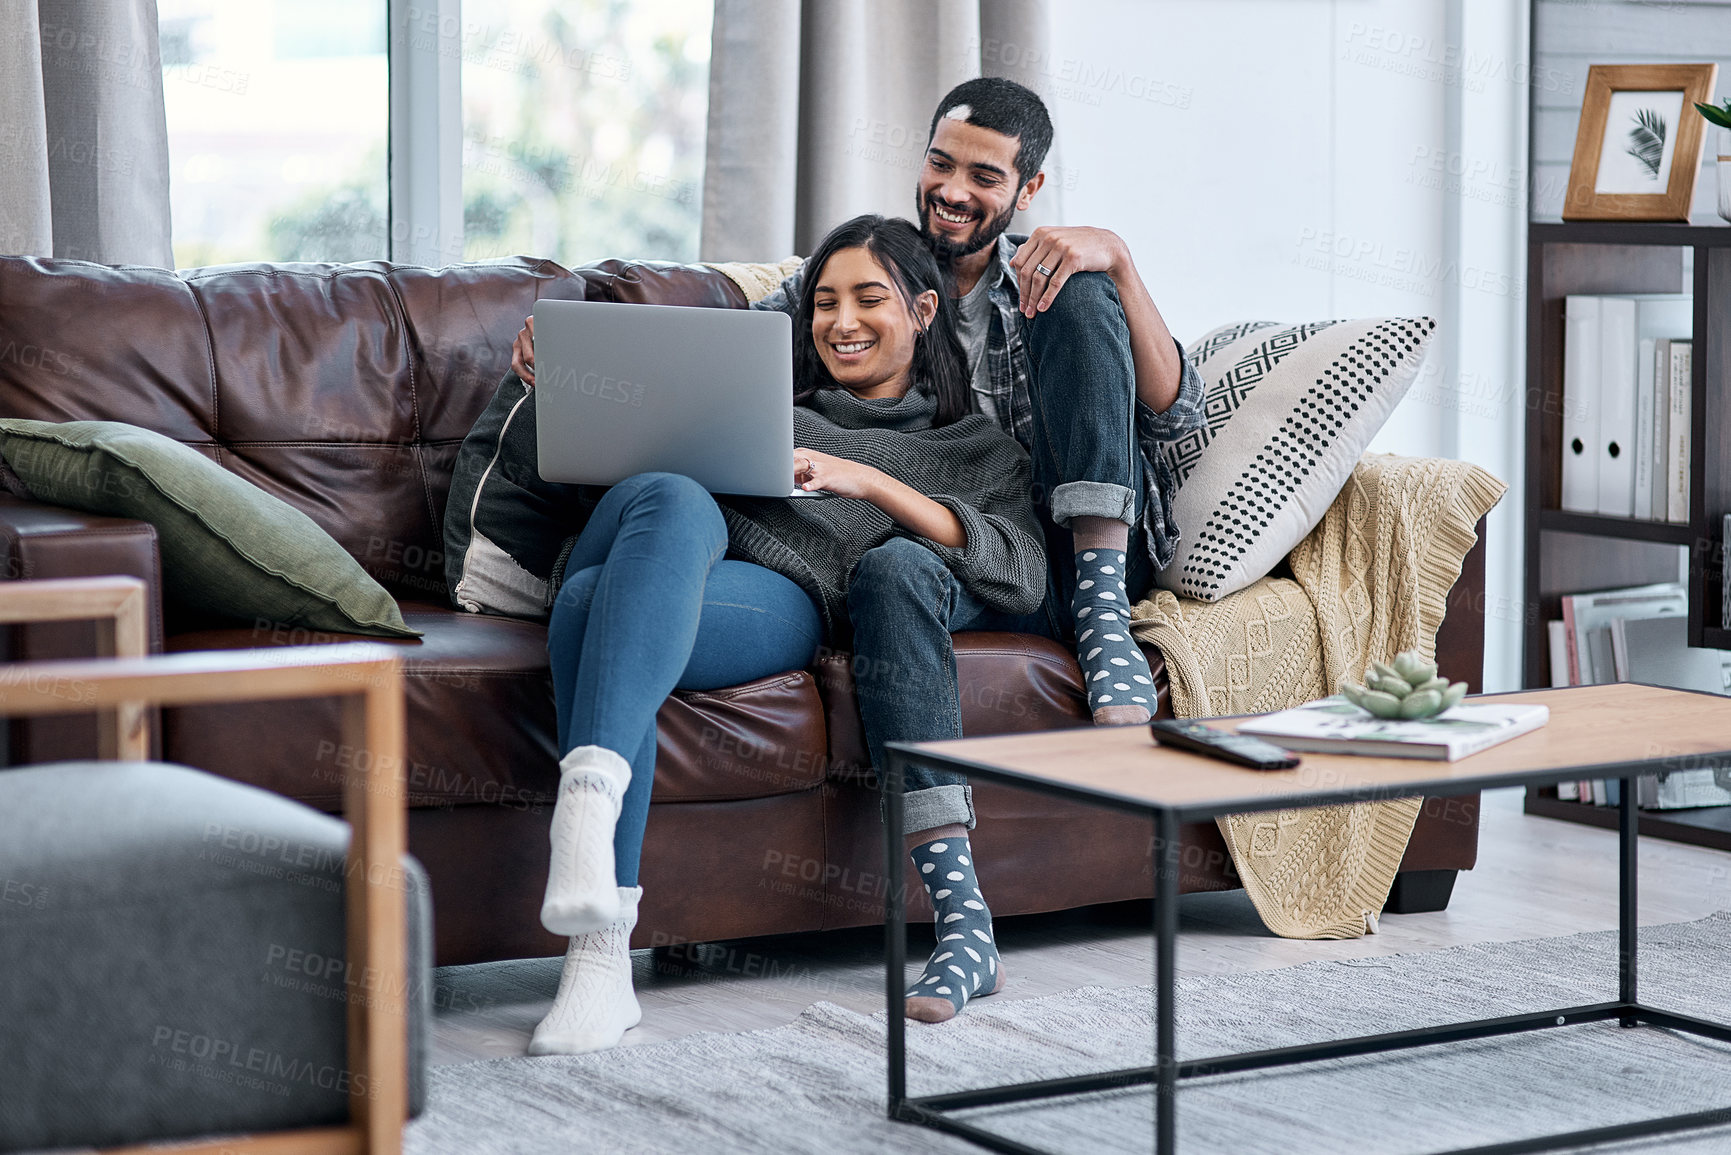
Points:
[[523, 352], [911, 509], [813, 471]]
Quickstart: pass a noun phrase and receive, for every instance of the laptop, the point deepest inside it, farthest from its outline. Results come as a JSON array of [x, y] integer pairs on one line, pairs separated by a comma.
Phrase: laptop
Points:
[[626, 389]]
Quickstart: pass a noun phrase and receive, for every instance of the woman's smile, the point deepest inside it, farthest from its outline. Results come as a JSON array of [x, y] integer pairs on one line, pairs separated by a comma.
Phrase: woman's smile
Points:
[[851, 351]]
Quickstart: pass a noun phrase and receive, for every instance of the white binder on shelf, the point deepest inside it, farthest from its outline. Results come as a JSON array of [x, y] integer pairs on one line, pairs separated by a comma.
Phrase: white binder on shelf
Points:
[[1617, 386], [1581, 404]]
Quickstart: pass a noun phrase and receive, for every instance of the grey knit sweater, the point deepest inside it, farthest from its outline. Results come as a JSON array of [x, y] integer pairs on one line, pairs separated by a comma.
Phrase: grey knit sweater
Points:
[[972, 468]]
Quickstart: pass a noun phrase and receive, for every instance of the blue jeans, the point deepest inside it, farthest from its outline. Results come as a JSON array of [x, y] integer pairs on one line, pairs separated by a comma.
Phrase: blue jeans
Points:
[[649, 606], [1086, 461], [905, 603]]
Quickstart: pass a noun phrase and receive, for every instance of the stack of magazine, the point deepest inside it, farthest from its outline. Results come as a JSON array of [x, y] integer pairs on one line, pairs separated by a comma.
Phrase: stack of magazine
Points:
[[1627, 394], [1639, 634]]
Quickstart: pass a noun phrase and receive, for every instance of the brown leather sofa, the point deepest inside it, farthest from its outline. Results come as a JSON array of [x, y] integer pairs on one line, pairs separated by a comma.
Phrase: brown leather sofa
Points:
[[346, 390]]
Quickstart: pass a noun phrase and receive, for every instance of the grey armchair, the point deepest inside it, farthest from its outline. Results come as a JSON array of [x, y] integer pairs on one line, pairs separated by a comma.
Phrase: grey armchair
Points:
[[187, 956]]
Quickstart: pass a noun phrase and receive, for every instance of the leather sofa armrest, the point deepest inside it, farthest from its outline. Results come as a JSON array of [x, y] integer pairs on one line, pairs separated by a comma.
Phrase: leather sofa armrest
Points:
[[1460, 639], [48, 541], [1446, 836]]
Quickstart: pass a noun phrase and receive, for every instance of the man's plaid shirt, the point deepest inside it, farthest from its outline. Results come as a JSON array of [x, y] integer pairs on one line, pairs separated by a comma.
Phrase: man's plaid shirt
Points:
[[1011, 376]]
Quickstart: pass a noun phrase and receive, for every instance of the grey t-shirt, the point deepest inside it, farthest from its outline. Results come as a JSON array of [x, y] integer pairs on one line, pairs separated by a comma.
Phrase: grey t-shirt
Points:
[[974, 317]]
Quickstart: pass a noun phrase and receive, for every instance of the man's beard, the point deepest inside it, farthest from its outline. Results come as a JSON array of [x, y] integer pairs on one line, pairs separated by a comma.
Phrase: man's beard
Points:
[[985, 233]]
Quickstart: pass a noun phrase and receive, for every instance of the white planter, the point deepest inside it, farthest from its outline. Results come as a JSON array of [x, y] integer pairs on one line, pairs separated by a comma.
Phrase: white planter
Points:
[[1723, 139]]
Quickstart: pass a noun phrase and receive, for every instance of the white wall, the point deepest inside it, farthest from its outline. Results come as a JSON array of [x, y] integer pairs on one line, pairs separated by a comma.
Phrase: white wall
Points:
[[1292, 159]]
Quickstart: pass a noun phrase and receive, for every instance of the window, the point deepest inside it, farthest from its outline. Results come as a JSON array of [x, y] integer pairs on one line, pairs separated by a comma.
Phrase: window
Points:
[[583, 127], [277, 123]]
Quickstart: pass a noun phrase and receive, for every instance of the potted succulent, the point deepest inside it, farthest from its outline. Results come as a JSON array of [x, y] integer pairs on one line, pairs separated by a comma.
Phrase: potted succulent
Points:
[[1720, 116], [1408, 687]]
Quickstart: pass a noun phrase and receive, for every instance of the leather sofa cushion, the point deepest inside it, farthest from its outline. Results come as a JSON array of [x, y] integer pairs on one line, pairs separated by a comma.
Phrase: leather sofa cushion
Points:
[[479, 717], [755, 740], [1008, 683], [480, 724]]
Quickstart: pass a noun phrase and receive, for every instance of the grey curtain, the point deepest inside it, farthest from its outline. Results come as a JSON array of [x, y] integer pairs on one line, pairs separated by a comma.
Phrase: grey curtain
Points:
[[83, 138], [818, 109]]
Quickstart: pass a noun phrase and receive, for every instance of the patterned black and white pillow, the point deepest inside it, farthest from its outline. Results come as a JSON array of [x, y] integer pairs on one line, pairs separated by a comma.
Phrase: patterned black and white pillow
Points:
[[1287, 413]]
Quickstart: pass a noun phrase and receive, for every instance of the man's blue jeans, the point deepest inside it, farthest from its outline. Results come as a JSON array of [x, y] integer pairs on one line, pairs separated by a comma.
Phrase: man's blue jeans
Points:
[[648, 606], [905, 603], [1086, 460]]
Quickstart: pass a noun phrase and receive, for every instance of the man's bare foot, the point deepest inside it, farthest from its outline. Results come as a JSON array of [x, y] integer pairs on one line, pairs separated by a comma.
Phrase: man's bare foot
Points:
[[1122, 716]]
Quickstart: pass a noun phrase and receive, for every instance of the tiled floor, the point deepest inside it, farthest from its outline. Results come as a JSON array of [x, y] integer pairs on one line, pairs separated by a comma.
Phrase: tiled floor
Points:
[[1535, 878]]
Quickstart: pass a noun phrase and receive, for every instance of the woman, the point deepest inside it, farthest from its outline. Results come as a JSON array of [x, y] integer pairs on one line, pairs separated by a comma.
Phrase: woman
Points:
[[926, 528]]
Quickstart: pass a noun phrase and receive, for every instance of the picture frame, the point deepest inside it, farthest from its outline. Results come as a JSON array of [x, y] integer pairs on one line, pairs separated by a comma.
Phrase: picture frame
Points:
[[1639, 143]]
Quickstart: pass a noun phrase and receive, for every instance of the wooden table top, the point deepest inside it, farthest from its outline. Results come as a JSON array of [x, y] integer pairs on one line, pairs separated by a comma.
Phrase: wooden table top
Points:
[[1609, 731]]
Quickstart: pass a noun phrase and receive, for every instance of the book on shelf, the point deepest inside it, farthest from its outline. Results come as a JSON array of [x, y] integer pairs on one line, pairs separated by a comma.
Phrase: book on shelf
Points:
[[1601, 663], [1685, 789], [1556, 635], [1658, 316], [1336, 726], [1676, 357], [1657, 651], [1625, 428], [1647, 630], [1587, 618], [1725, 572], [1589, 645], [1649, 439]]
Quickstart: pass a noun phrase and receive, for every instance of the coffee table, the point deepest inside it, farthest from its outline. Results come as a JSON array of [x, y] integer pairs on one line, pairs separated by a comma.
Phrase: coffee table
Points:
[[1618, 731]]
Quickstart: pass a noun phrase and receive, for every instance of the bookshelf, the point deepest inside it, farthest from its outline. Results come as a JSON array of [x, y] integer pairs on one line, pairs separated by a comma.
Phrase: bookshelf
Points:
[[1569, 551]]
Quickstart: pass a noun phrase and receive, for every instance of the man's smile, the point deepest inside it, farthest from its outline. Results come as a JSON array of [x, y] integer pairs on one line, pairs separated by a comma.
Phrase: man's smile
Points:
[[950, 216]]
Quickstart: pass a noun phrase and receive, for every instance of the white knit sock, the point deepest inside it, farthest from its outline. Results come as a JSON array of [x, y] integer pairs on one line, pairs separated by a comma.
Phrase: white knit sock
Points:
[[582, 890], [595, 1005]]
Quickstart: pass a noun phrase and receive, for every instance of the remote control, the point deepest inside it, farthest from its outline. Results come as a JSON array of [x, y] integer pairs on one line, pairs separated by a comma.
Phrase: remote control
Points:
[[1212, 743]]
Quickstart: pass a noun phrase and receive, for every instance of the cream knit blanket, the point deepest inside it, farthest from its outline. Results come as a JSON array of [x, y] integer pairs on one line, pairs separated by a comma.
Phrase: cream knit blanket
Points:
[[1371, 580], [758, 280]]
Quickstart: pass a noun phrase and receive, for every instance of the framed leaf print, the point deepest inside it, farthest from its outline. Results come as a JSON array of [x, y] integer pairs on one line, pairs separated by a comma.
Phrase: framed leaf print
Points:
[[1639, 143]]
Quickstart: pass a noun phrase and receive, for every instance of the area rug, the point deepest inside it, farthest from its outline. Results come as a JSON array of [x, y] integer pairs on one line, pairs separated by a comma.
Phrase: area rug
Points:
[[817, 1085]]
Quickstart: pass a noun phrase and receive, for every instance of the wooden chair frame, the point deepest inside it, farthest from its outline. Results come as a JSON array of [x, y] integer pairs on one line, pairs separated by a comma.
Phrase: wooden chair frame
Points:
[[368, 679]]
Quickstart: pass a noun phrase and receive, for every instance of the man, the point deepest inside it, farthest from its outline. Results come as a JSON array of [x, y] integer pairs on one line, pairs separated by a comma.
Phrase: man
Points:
[[1061, 335], [1070, 355]]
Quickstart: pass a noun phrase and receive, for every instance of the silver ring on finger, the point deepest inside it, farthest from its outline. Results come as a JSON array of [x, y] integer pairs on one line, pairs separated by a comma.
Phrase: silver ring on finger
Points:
[[1043, 270]]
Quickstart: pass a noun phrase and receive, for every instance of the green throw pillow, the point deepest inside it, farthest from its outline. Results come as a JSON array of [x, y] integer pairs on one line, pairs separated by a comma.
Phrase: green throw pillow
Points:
[[228, 547]]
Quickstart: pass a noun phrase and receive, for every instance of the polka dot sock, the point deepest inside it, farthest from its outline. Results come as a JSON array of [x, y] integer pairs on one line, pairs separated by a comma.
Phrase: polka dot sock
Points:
[[965, 963], [1112, 664]]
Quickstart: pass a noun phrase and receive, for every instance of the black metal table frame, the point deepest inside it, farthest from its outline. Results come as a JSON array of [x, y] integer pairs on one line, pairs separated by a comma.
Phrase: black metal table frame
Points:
[[1167, 1072]]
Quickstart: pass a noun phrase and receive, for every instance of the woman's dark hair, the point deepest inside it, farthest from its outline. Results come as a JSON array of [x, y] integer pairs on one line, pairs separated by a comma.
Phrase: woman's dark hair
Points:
[[939, 367]]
